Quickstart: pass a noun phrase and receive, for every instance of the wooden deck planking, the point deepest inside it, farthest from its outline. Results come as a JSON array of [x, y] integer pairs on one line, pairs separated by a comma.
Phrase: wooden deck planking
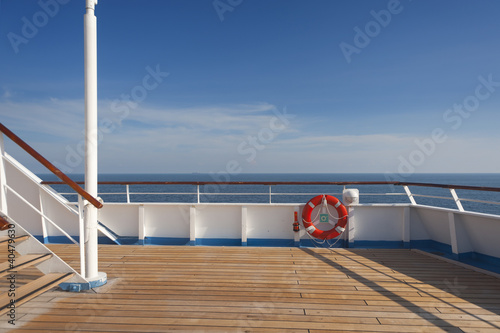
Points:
[[161, 288]]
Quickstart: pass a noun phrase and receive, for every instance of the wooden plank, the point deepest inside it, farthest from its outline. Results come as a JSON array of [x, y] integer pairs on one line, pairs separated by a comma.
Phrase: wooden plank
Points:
[[77, 323], [435, 303], [43, 327], [18, 239], [376, 312], [223, 321], [303, 306], [479, 330], [134, 316], [38, 307], [29, 291], [438, 321], [473, 311], [23, 262]]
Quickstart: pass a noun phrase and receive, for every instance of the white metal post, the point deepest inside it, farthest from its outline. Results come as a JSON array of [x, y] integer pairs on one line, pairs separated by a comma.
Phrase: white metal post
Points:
[[192, 225], [82, 234], [406, 228], [142, 225], [244, 214], [457, 200], [351, 226], [410, 196], [45, 234], [90, 40], [3, 178], [453, 234]]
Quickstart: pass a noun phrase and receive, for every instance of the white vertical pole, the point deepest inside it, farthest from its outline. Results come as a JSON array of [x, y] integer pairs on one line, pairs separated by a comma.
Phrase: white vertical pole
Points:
[[244, 225], [142, 225], [351, 227], [3, 178], [406, 228], [82, 234], [453, 234], [45, 234], [192, 225], [90, 40]]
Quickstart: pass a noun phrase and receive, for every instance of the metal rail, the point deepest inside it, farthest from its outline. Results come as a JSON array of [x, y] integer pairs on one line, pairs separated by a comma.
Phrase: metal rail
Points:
[[199, 194], [344, 183]]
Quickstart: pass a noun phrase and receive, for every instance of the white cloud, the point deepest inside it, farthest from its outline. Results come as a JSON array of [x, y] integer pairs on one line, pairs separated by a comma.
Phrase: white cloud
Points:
[[312, 141], [213, 118], [65, 118], [59, 118], [205, 139]]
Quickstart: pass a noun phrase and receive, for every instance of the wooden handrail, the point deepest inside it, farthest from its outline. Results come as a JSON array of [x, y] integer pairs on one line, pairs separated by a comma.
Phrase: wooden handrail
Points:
[[4, 224], [65, 179], [458, 187]]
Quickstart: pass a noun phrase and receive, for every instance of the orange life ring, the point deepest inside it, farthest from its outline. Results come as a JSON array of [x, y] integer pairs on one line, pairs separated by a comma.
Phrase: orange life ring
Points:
[[337, 229]]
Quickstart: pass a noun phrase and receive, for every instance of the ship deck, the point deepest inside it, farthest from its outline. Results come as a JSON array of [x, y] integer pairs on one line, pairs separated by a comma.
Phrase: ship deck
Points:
[[256, 289]]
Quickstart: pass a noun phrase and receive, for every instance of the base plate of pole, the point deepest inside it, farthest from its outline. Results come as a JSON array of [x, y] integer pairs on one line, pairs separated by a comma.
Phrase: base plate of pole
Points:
[[98, 281]]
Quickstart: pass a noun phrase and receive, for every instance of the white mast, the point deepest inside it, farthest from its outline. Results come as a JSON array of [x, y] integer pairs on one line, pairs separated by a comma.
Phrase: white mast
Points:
[[90, 40]]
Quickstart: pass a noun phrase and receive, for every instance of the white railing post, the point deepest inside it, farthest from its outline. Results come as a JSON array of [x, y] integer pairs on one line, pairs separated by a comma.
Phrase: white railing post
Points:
[[351, 226], [81, 205], [244, 237], [453, 235], [128, 193], [410, 196], [142, 224], [45, 234], [3, 178], [29, 204], [270, 194], [198, 192], [457, 200], [192, 225], [406, 228]]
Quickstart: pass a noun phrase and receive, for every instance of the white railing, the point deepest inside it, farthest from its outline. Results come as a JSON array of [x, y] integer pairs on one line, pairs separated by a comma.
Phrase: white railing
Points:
[[39, 212], [25, 175], [202, 197]]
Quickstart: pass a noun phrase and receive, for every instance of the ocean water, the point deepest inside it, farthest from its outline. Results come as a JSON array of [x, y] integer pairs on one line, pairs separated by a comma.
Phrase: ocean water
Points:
[[293, 193]]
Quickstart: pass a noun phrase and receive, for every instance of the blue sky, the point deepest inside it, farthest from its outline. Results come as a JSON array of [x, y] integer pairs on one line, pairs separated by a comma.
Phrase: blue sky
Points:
[[258, 85]]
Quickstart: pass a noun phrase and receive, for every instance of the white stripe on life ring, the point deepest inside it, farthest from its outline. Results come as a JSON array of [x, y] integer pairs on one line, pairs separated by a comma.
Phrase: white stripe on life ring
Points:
[[337, 204], [312, 205], [310, 229], [340, 229]]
